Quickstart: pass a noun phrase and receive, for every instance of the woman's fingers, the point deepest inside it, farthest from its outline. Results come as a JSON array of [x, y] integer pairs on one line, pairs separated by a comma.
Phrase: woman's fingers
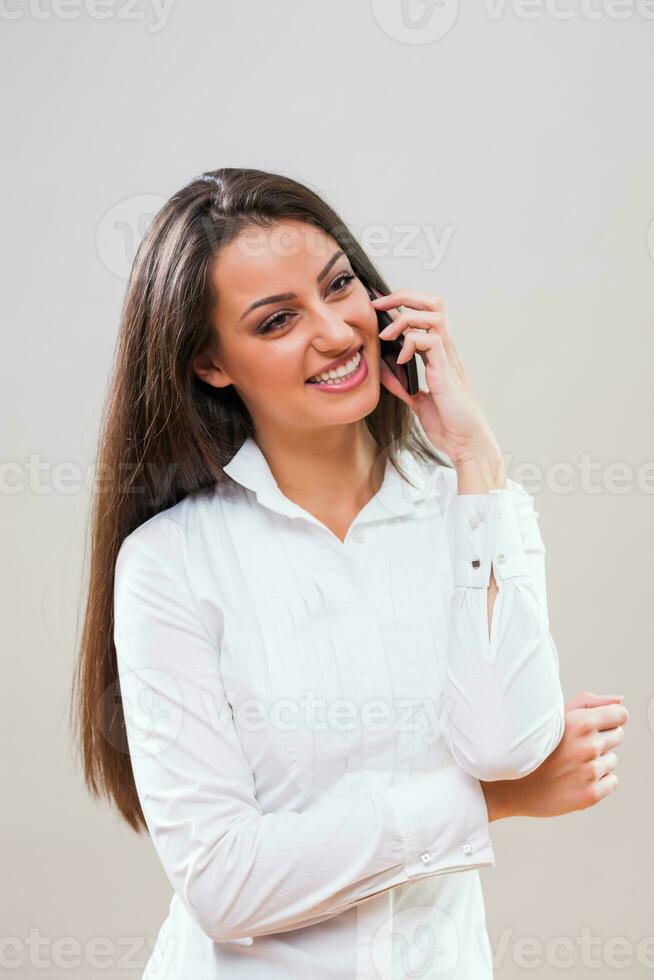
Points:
[[608, 716], [414, 298], [413, 324], [605, 763], [604, 786], [586, 699], [600, 718], [612, 737], [414, 318], [606, 779], [431, 349], [425, 312]]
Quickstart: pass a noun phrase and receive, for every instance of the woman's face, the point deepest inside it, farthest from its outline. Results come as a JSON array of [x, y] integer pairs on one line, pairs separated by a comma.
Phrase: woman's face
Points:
[[289, 304]]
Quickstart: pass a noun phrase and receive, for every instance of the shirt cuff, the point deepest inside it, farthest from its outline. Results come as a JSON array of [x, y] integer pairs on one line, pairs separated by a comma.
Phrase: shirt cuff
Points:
[[443, 822], [487, 534]]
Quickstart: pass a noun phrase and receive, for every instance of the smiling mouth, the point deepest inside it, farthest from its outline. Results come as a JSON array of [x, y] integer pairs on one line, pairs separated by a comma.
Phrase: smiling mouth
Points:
[[340, 374]]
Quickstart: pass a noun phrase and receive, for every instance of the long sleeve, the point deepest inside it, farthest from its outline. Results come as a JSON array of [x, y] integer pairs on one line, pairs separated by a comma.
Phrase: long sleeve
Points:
[[502, 706], [241, 872]]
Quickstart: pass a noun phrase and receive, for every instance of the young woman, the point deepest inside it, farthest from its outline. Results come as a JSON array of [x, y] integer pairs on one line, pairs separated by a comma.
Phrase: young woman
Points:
[[316, 661]]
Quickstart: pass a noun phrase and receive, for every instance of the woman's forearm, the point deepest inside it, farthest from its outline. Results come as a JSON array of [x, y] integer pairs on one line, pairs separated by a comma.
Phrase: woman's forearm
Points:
[[501, 702], [500, 798]]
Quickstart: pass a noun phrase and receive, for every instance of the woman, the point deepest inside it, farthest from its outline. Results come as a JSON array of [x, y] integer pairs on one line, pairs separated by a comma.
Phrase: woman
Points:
[[316, 661]]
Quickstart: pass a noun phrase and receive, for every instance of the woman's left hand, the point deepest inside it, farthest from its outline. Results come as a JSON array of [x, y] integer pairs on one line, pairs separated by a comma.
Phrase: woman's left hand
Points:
[[448, 413]]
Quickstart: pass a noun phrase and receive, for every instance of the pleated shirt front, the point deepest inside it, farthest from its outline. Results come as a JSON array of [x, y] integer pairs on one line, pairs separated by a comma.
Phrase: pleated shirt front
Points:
[[309, 719]]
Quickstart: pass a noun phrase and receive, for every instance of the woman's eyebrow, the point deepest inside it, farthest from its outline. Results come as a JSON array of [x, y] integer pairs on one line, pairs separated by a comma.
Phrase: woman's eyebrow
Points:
[[280, 297]]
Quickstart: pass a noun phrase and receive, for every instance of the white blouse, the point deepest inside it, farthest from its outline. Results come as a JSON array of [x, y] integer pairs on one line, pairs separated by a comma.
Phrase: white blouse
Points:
[[308, 720]]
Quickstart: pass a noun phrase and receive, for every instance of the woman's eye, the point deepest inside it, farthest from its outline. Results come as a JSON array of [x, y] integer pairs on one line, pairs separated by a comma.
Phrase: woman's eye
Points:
[[268, 325], [273, 323], [346, 276]]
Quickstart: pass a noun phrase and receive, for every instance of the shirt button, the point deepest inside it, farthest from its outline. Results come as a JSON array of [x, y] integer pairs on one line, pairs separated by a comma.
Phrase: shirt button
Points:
[[467, 849], [426, 857], [500, 559], [473, 521]]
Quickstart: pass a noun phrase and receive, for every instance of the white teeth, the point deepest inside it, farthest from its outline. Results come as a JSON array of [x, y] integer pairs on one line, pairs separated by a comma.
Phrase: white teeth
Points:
[[340, 372]]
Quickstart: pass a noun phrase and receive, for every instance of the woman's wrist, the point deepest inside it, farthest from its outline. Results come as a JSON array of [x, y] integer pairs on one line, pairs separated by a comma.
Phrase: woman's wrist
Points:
[[480, 470], [500, 796]]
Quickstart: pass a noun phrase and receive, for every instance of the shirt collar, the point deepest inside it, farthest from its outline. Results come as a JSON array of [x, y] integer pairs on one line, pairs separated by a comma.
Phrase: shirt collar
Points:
[[250, 468]]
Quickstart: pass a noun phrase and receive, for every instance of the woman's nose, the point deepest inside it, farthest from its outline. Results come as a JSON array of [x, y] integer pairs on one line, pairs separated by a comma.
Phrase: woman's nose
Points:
[[332, 330]]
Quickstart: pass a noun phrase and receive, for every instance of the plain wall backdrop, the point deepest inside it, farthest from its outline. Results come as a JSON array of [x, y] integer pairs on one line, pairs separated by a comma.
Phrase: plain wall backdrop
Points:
[[499, 154]]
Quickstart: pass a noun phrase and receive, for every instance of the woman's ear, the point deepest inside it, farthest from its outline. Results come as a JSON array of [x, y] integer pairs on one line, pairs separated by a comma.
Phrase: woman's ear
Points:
[[209, 371]]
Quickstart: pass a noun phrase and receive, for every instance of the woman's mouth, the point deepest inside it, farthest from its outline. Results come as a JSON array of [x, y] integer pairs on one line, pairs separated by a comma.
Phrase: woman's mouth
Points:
[[344, 378]]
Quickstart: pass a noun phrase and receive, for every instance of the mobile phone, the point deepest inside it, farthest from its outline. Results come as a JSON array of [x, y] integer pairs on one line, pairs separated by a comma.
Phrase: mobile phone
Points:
[[407, 373]]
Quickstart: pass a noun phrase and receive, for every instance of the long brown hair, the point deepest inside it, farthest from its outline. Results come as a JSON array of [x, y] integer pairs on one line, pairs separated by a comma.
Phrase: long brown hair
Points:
[[166, 434]]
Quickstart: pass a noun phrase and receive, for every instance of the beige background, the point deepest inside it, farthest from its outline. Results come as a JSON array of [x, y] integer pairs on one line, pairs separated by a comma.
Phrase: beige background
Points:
[[524, 146]]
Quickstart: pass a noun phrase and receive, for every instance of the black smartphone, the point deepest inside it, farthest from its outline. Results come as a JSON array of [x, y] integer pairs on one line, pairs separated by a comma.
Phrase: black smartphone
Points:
[[407, 373]]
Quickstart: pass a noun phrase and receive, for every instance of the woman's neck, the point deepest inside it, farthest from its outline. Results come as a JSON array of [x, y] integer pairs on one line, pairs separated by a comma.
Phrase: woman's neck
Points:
[[336, 476]]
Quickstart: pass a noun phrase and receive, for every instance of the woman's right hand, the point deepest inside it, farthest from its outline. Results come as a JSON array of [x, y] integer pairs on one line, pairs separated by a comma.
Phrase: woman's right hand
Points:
[[577, 774]]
